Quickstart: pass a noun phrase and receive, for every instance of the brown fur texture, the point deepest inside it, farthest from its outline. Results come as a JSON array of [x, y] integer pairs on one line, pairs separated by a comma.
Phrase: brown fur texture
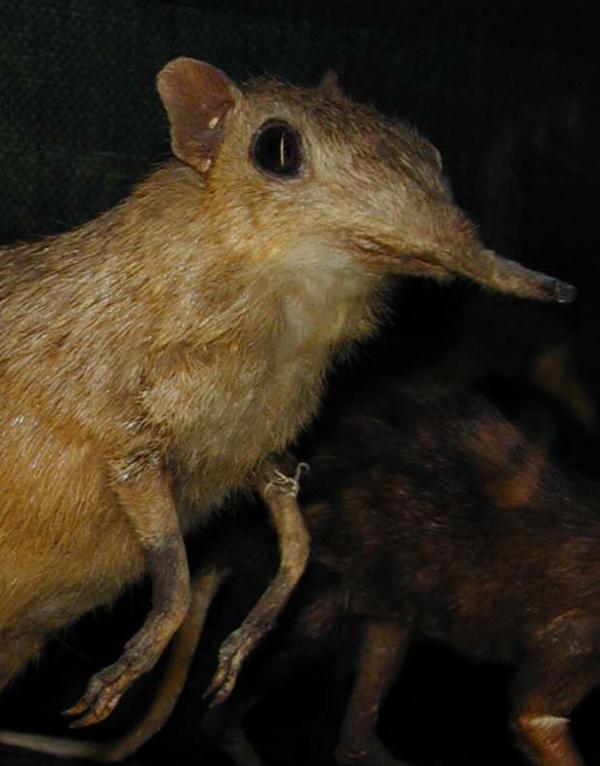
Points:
[[438, 520], [456, 529], [428, 519], [152, 358]]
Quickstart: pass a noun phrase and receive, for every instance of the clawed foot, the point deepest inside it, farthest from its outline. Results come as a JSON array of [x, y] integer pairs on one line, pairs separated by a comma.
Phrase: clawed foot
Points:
[[279, 492], [232, 654], [104, 691], [106, 688]]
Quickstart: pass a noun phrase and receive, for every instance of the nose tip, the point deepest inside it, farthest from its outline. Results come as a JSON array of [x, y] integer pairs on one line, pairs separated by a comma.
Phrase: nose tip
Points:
[[563, 292]]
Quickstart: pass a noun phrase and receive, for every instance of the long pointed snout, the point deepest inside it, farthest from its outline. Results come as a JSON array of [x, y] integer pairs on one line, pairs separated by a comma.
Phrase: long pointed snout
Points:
[[509, 277], [475, 263], [458, 248], [460, 253], [440, 242]]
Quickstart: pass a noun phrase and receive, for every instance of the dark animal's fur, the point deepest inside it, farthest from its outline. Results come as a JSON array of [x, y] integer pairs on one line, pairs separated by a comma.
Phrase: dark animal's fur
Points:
[[153, 359], [434, 519], [438, 520]]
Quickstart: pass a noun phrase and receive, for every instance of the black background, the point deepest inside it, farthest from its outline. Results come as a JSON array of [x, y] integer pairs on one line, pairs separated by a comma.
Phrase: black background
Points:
[[508, 92]]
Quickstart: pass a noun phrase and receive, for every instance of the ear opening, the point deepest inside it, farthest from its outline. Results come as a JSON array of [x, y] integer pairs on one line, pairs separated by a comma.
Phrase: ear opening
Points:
[[197, 98]]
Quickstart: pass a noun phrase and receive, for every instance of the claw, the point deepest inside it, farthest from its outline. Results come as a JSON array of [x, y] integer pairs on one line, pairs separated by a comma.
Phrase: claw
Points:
[[99, 710], [83, 704], [104, 691], [73, 711], [231, 658], [223, 693]]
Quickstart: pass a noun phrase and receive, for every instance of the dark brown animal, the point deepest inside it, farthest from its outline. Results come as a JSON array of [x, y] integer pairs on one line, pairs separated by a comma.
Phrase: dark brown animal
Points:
[[428, 519], [456, 529], [153, 359]]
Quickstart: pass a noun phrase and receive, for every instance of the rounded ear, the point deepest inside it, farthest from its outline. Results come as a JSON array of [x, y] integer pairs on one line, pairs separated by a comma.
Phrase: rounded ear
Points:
[[197, 98], [329, 85]]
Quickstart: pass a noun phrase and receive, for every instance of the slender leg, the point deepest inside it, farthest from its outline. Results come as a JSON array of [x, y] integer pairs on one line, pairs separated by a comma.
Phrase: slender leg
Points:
[[223, 727], [279, 492], [299, 641], [545, 692], [146, 499], [204, 588], [382, 651]]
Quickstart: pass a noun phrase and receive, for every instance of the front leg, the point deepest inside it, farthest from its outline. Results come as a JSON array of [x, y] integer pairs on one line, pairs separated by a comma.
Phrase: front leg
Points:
[[204, 588], [146, 498], [279, 492], [381, 653]]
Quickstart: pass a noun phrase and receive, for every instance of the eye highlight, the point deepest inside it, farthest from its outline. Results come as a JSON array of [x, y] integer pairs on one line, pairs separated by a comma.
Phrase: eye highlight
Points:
[[275, 149]]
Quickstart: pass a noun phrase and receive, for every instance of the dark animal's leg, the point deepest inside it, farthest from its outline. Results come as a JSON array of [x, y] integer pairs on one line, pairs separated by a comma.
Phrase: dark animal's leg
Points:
[[382, 651], [299, 643], [279, 493], [204, 587], [223, 726], [545, 692], [148, 503]]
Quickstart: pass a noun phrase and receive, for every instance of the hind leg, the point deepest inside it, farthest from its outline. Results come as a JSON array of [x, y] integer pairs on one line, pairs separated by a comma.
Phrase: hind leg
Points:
[[204, 587], [382, 651], [223, 727], [300, 642], [545, 692]]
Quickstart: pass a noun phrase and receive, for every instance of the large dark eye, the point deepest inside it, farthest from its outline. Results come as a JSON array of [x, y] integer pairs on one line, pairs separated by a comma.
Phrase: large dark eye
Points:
[[276, 149]]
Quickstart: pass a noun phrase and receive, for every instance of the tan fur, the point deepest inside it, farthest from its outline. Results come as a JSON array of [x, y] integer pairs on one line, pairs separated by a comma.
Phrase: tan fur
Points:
[[186, 335]]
